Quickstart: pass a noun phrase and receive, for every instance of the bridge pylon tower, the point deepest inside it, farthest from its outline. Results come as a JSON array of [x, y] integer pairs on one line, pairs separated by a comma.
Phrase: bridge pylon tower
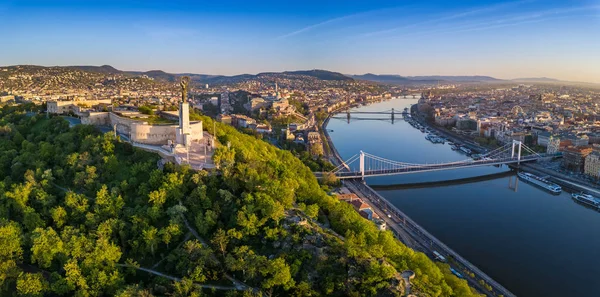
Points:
[[362, 164], [516, 144]]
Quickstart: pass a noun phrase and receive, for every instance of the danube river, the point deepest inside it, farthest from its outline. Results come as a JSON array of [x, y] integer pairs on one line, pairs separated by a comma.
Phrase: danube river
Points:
[[530, 241]]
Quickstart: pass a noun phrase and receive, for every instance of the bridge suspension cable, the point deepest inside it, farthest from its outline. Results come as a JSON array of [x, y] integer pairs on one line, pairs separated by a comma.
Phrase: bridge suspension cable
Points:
[[370, 164], [529, 150], [345, 164], [411, 164]]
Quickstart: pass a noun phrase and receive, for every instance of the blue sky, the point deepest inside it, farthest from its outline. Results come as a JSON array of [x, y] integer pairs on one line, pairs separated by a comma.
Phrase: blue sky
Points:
[[505, 39]]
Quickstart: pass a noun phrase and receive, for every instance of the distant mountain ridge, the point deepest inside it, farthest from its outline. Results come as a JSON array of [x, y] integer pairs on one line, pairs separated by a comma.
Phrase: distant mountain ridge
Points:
[[207, 78], [383, 78], [106, 69], [536, 79], [320, 74], [458, 78], [157, 75], [398, 79], [163, 76]]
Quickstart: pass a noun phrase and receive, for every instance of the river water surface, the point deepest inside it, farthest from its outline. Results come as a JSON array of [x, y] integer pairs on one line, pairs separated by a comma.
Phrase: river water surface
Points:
[[530, 241]]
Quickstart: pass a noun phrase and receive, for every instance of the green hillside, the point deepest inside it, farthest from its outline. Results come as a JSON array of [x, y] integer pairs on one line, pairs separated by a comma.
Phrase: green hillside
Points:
[[82, 214]]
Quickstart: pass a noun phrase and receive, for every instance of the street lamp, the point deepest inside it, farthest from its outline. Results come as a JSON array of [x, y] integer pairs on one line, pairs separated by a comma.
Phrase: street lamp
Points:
[[187, 146], [214, 134]]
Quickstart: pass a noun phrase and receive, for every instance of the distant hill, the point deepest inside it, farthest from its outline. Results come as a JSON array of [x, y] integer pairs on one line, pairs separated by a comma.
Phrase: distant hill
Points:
[[158, 75], [220, 79], [536, 79], [471, 78], [214, 79], [382, 78], [106, 69], [398, 79], [320, 74]]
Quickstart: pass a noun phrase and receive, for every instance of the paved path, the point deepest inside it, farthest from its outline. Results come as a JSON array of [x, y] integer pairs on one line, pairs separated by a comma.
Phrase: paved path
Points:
[[238, 284], [152, 271]]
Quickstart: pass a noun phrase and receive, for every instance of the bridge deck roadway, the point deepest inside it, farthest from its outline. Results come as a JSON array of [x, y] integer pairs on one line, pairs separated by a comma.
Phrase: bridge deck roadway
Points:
[[375, 112], [429, 168]]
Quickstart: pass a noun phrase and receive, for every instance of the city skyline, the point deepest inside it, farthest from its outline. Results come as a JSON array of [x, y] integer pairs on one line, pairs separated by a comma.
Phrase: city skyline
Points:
[[505, 40]]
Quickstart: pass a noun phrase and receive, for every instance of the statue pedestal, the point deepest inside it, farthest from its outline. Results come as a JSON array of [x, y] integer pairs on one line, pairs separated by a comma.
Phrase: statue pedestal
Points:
[[182, 137]]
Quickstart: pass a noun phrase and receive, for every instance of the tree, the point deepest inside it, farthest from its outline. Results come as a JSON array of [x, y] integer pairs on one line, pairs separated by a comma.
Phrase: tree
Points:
[[158, 197], [312, 211], [11, 252], [58, 284], [134, 291], [31, 284], [330, 179], [220, 239], [32, 219], [151, 238], [223, 157], [205, 221], [172, 231], [277, 273], [146, 110], [248, 221], [46, 246], [244, 259], [78, 203], [108, 205], [75, 278], [185, 288], [19, 196]]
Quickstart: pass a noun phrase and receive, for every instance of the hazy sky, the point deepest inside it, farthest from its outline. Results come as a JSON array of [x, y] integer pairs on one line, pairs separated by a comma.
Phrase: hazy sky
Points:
[[505, 39]]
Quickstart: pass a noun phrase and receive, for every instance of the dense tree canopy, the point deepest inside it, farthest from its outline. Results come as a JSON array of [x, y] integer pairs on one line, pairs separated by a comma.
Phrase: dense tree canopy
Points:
[[84, 214]]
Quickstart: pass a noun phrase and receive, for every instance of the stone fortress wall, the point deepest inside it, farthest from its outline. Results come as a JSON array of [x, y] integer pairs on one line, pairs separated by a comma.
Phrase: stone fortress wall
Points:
[[152, 134], [96, 118], [123, 124], [161, 134], [141, 131]]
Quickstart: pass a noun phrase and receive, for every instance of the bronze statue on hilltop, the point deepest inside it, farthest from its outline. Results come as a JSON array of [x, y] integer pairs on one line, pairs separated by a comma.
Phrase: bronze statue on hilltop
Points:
[[185, 81]]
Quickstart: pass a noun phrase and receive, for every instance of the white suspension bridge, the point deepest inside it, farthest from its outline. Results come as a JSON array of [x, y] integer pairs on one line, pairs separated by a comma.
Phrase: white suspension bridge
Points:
[[370, 165]]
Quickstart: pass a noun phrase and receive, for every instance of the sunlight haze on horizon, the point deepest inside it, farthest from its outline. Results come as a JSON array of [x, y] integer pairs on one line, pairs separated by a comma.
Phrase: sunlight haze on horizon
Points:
[[503, 39]]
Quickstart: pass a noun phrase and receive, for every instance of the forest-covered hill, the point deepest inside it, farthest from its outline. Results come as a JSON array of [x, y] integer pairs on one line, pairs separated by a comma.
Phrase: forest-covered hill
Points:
[[83, 214]]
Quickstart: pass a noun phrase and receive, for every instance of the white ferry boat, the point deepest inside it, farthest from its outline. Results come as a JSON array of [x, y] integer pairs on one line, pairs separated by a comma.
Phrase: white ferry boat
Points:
[[586, 199], [465, 150], [435, 139], [540, 182]]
